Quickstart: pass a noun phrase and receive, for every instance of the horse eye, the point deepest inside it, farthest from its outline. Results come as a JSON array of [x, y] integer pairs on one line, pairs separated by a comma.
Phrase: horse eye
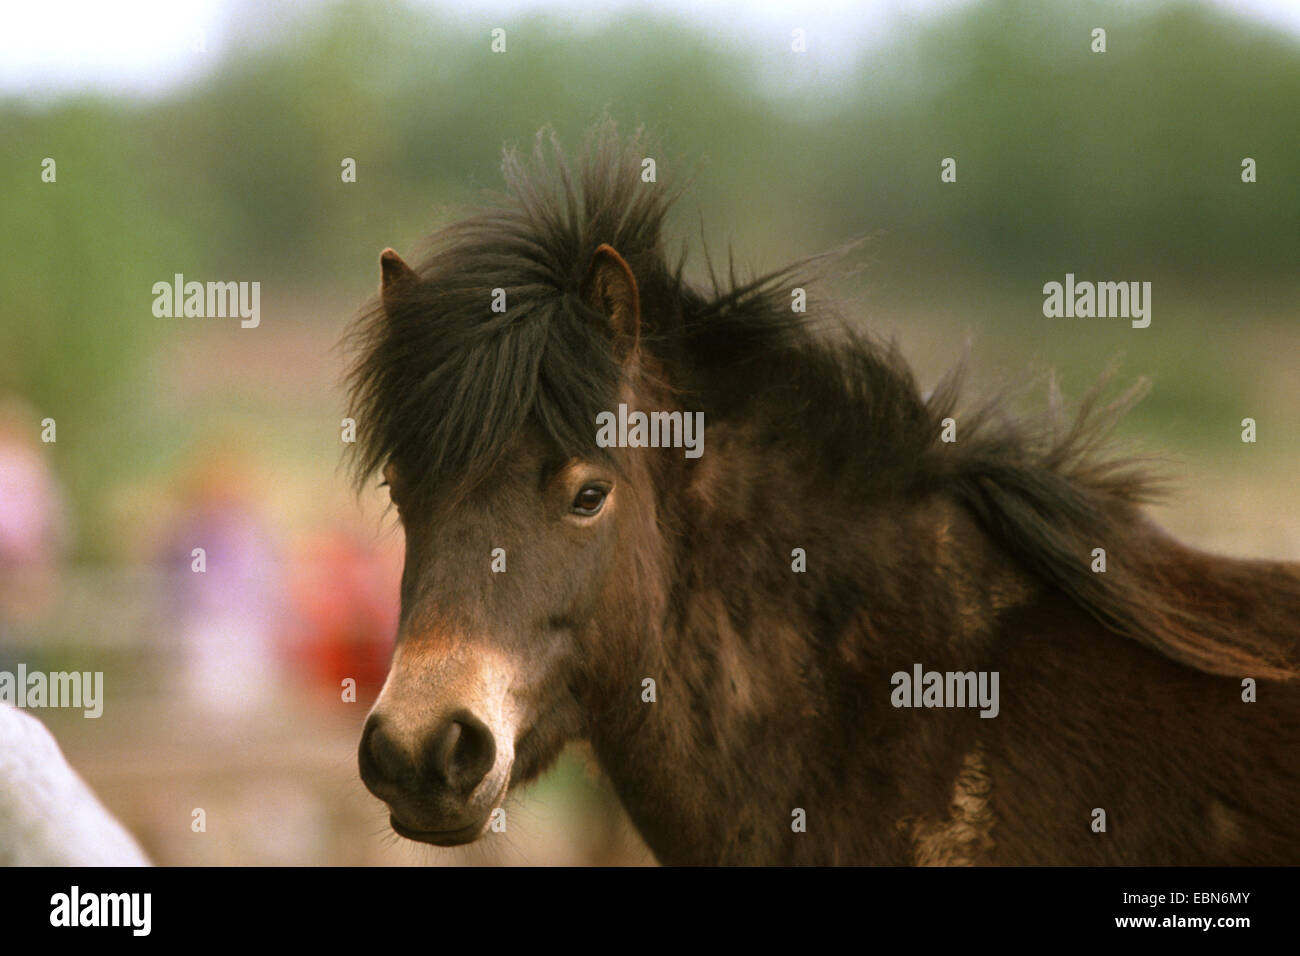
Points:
[[589, 501], [391, 482], [392, 495]]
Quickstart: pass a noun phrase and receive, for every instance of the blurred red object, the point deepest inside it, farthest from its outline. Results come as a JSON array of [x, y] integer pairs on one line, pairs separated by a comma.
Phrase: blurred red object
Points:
[[344, 597]]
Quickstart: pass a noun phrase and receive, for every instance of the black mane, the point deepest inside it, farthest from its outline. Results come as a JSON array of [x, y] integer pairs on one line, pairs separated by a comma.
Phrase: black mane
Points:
[[443, 385]]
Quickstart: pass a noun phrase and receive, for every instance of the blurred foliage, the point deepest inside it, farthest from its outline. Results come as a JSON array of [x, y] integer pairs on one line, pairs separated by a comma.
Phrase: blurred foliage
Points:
[[1120, 165]]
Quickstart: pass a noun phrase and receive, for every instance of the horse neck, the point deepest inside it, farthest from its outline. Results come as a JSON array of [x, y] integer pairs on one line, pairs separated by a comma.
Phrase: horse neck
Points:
[[1229, 616], [768, 670]]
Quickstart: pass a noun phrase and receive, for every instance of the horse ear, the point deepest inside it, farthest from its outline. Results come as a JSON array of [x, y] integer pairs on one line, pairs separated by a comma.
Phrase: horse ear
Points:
[[395, 277], [610, 289]]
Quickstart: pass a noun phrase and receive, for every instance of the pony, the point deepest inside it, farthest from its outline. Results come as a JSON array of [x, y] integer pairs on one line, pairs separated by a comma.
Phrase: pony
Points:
[[773, 647]]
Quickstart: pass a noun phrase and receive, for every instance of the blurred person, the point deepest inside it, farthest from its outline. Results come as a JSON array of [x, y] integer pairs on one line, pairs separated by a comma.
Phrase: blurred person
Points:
[[228, 597], [344, 594], [34, 530]]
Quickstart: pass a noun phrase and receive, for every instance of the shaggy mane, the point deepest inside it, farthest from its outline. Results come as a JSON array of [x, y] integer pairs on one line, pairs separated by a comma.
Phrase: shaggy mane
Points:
[[443, 385]]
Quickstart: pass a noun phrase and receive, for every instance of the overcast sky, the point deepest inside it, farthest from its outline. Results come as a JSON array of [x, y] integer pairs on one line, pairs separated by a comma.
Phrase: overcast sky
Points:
[[150, 45]]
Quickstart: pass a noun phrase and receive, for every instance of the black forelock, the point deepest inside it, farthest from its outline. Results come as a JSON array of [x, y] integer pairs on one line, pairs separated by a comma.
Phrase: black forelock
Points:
[[443, 384]]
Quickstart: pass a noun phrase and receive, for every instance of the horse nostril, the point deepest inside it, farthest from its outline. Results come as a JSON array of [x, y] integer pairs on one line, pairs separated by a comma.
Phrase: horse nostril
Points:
[[462, 752], [381, 761]]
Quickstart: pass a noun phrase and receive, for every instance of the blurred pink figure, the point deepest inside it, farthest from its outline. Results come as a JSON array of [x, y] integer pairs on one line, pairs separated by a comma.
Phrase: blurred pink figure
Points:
[[33, 523]]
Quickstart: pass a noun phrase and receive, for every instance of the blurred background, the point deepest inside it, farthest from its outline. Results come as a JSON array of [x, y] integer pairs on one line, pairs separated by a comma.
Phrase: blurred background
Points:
[[208, 139]]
